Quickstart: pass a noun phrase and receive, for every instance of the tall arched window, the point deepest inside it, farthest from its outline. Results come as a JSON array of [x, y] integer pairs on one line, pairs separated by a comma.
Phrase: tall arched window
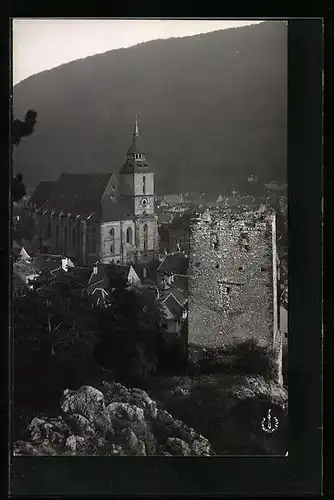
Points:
[[145, 236], [129, 235], [74, 237], [49, 229], [144, 184], [112, 240], [65, 238], [57, 235]]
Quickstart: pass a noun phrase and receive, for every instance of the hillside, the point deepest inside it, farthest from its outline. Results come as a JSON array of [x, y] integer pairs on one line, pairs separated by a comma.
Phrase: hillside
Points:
[[212, 109]]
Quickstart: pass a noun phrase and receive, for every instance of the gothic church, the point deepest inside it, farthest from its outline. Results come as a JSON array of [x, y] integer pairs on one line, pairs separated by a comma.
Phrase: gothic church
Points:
[[100, 217]]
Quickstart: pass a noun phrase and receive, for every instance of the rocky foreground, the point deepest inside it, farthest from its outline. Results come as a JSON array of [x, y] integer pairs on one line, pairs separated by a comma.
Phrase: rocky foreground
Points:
[[114, 421]]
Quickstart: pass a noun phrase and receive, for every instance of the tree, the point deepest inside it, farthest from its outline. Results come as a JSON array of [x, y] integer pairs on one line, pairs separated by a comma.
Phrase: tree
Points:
[[129, 329], [55, 332], [21, 129]]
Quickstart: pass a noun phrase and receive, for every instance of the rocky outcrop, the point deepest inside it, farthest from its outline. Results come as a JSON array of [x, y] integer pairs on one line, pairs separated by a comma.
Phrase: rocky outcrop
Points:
[[112, 421]]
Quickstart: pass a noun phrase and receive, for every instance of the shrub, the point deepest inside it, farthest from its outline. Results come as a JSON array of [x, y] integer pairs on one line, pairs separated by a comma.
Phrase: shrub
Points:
[[252, 358]]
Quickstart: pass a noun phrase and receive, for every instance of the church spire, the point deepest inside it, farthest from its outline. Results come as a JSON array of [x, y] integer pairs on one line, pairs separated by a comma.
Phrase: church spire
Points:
[[136, 151], [136, 129]]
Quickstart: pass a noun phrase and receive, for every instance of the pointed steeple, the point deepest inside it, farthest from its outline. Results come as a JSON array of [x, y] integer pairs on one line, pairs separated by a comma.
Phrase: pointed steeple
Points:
[[136, 155], [136, 150], [136, 129]]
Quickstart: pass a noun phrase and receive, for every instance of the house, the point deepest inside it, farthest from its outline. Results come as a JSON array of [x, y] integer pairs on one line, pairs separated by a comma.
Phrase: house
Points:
[[147, 272], [100, 217], [173, 199], [177, 233], [104, 276], [173, 263], [24, 272], [174, 306]]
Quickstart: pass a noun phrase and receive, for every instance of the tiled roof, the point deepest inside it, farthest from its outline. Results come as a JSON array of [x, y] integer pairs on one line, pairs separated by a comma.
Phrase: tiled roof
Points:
[[79, 194], [103, 282], [181, 282], [106, 272], [80, 274], [42, 193], [174, 263], [48, 262], [177, 294], [173, 306], [117, 210]]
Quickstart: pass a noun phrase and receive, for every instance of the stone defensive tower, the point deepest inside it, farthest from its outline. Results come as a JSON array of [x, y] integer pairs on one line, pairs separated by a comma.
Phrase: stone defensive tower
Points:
[[233, 280]]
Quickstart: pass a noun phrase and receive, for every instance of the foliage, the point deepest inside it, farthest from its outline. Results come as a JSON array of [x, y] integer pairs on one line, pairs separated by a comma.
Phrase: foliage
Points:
[[23, 128], [129, 328], [247, 357], [18, 188], [227, 409], [172, 355], [55, 332], [24, 228], [253, 358]]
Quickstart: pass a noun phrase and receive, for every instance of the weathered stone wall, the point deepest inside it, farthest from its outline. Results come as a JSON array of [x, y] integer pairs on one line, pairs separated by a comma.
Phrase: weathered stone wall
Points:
[[232, 279]]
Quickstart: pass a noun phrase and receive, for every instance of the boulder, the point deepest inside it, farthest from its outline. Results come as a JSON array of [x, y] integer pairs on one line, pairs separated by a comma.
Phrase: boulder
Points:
[[86, 401], [115, 421], [177, 446]]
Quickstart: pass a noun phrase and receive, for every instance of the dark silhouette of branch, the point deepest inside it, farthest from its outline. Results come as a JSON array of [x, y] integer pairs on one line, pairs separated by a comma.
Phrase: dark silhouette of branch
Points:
[[23, 128], [18, 188]]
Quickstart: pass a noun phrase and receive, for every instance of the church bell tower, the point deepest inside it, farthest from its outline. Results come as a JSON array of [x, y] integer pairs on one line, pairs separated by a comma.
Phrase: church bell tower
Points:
[[136, 189]]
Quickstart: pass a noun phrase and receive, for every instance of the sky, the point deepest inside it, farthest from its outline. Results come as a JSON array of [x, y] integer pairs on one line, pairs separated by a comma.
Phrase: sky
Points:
[[41, 44]]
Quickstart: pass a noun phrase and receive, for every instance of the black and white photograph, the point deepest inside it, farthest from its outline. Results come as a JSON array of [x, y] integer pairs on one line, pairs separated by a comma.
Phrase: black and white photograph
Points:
[[149, 237]]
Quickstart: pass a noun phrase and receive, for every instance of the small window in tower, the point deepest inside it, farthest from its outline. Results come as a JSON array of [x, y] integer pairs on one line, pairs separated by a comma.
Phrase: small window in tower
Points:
[[144, 184], [111, 248], [129, 235], [145, 236]]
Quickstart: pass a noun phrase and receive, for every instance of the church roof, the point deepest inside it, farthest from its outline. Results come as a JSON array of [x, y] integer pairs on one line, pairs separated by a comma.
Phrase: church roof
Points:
[[117, 210], [42, 193], [79, 194]]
